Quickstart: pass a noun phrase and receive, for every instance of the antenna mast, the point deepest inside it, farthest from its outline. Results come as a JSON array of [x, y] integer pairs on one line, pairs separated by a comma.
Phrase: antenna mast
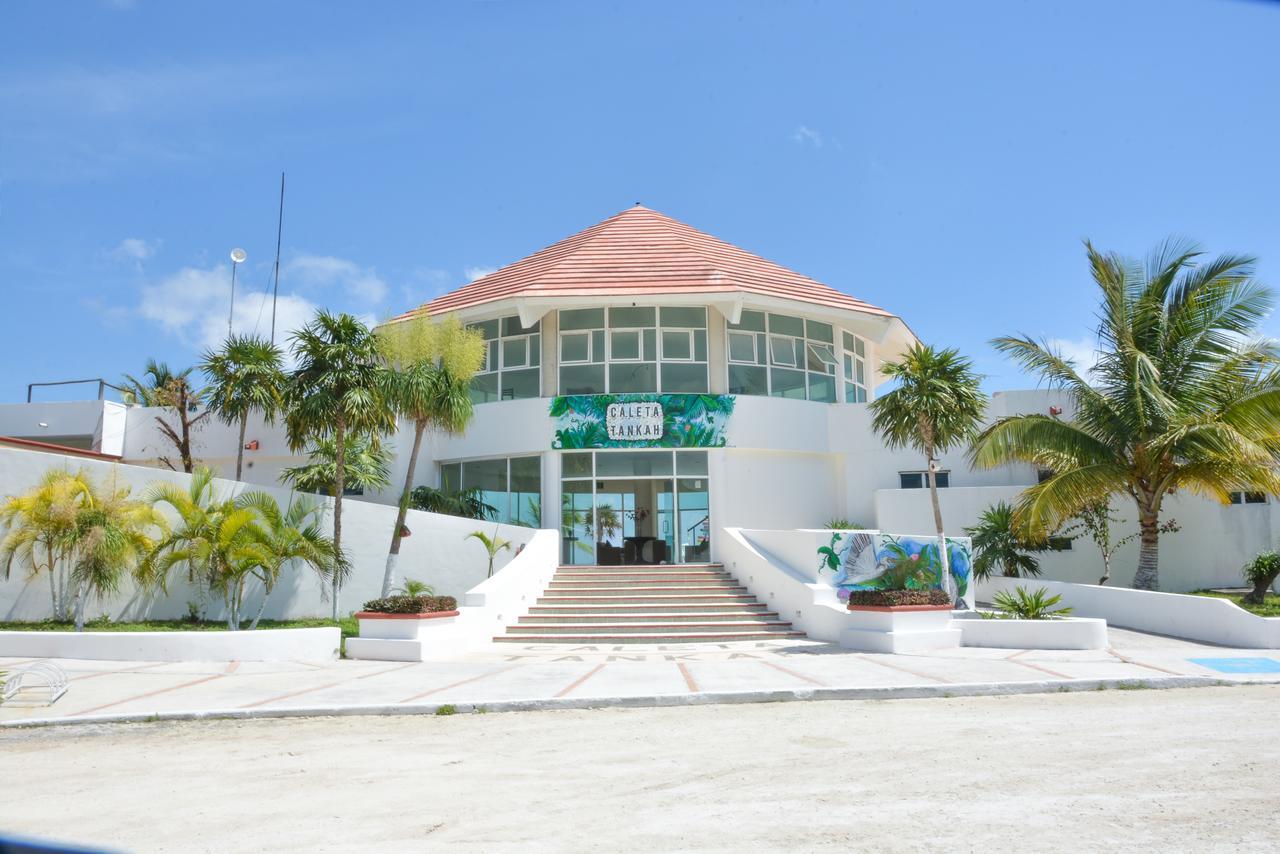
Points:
[[275, 291]]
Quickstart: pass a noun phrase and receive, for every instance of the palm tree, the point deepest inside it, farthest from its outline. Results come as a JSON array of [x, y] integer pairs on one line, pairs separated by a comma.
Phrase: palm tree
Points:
[[937, 405], [41, 527], [292, 535], [368, 466], [431, 370], [245, 376], [112, 539], [1184, 396], [998, 547], [169, 390], [492, 545], [338, 389]]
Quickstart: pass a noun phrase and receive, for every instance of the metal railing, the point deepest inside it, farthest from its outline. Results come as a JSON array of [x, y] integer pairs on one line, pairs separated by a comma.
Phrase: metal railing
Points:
[[103, 385]]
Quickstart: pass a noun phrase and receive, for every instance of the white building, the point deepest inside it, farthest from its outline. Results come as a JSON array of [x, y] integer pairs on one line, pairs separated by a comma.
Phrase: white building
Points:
[[648, 385]]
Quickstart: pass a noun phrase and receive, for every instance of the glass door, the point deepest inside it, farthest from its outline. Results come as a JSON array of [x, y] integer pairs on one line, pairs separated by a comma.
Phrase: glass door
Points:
[[694, 528]]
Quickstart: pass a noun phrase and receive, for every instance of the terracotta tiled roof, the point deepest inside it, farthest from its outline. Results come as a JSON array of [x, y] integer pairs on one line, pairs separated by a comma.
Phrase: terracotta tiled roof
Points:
[[641, 252]]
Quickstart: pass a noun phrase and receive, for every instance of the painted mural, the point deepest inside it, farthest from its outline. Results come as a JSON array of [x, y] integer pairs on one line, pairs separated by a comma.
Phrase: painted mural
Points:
[[871, 560], [640, 420]]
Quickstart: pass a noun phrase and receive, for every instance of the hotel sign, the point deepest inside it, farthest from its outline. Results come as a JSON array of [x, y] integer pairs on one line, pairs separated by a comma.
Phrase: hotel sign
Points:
[[634, 422], [640, 420]]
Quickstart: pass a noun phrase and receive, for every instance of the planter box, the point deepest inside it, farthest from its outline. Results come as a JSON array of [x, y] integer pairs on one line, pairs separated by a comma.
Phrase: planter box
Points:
[[899, 628], [318, 644], [1065, 633], [397, 637]]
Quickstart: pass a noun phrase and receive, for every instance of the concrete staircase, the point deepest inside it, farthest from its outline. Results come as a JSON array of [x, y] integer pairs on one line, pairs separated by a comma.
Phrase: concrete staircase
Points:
[[683, 603]]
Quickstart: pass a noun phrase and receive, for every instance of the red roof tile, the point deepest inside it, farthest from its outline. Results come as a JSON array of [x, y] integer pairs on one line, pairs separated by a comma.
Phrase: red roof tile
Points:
[[641, 252]]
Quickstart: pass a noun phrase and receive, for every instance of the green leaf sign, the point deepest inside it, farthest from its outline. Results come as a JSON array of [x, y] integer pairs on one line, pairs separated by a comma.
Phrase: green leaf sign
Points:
[[640, 420]]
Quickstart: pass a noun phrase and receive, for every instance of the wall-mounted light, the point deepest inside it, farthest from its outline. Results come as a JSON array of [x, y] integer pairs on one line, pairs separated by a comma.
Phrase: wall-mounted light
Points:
[[251, 445]]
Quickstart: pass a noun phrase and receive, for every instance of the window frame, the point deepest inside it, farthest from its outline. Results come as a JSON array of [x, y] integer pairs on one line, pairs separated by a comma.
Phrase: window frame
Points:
[[849, 389], [650, 347]]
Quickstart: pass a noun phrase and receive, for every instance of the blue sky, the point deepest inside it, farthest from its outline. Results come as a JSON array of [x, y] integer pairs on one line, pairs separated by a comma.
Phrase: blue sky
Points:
[[943, 160]]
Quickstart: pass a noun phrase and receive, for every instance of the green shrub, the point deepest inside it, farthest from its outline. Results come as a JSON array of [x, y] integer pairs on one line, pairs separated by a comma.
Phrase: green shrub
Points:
[[1022, 604], [1261, 572], [894, 598], [447, 709], [844, 525], [411, 604]]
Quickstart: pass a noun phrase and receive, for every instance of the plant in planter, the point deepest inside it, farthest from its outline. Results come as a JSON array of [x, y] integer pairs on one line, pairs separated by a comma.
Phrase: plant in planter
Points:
[[414, 587], [1023, 604], [897, 598], [411, 605]]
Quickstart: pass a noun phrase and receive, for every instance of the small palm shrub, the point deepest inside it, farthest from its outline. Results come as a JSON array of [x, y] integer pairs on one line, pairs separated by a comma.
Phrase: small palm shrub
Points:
[[414, 587], [1023, 604], [843, 525], [1261, 572]]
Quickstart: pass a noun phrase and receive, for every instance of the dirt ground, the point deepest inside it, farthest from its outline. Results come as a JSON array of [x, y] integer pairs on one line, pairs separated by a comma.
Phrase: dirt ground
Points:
[[1194, 770]]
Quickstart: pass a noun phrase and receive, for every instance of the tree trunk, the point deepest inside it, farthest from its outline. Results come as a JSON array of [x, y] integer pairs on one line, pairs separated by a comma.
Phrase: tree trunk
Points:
[[80, 597], [1148, 575], [937, 521], [244, 424], [393, 556], [53, 583], [1258, 594], [340, 478], [1106, 567], [262, 606]]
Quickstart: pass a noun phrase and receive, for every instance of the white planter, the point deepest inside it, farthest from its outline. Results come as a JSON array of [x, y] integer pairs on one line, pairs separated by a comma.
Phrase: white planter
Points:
[[902, 628], [319, 644], [1065, 633], [399, 637]]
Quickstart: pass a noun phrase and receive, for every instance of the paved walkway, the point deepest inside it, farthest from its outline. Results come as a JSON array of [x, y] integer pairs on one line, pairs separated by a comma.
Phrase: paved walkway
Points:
[[504, 676]]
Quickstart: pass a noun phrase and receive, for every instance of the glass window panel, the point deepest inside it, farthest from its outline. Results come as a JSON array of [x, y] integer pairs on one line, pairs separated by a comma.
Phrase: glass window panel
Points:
[[490, 477], [694, 525], [451, 477], [515, 353], [577, 545], [819, 331], [651, 344], [787, 383], [691, 463], [582, 379], [484, 388], [684, 377], [630, 317], [751, 321], [848, 340], [862, 395], [488, 328], [597, 346], [943, 479], [748, 379], [575, 465], [783, 350], [535, 349], [491, 356], [624, 345], [582, 318], [742, 347], [522, 384], [677, 345], [822, 388], [910, 480], [575, 347], [634, 377], [762, 350], [850, 393], [859, 374], [848, 366], [861, 348], [511, 326], [821, 359], [780, 324], [700, 345], [633, 464], [526, 490], [692, 317]]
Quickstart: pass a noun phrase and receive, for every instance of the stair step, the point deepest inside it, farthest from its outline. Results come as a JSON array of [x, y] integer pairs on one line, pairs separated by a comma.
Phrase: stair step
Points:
[[638, 637], [632, 577], [629, 607], [646, 567], [650, 617], [643, 628], [614, 598], [616, 589]]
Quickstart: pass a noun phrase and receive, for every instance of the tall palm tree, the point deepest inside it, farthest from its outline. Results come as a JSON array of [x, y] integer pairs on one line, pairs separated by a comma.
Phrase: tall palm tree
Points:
[[168, 389], [1184, 396], [245, 376], [40, 530], [938, 405], [998, 547], [431, 369], [113, 538], [338, 389]]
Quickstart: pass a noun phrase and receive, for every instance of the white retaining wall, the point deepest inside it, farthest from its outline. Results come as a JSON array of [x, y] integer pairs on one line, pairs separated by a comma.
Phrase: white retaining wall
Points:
[[317, 644], [436, 552], [1200, 618]]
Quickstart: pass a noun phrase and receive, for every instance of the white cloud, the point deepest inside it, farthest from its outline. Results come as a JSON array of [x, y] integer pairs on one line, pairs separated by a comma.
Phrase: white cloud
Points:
[[474, 273], [804, 135], [1083, 352], [134, 250], [192, 304], [325, 271]]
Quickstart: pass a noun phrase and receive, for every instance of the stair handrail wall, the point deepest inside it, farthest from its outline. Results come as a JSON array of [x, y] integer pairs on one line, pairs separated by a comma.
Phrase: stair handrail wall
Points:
[[499, 601]]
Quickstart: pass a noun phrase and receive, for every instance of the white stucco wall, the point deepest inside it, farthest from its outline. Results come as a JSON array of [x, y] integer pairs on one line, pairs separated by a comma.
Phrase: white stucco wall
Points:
[[101, 424], [436, 552]]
